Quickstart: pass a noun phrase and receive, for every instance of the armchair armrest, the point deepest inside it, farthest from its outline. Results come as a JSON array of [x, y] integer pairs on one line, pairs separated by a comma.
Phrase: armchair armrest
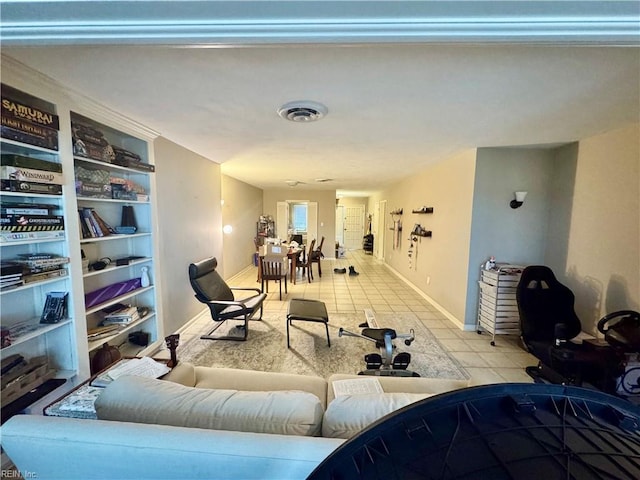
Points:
[[223, 304], [250, 289]]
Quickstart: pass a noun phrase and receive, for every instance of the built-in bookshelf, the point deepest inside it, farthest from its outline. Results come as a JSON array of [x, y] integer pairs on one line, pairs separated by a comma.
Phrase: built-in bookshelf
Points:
[[114, 183], [133, 255]]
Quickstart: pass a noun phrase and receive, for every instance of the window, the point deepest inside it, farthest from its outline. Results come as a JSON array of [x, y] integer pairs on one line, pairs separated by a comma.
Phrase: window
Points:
[[299, 217]]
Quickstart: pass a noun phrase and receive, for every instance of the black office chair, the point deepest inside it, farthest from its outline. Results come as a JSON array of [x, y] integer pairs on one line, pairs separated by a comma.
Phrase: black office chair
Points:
[[549, 323], [213, 291]]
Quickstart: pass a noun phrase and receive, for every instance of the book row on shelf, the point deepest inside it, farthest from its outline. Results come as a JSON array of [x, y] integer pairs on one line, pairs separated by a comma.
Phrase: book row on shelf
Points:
[[92, 225]]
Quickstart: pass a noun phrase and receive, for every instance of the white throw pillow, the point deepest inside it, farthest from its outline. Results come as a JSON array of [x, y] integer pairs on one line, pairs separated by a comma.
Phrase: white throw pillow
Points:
[[145, 400], [349, 414]]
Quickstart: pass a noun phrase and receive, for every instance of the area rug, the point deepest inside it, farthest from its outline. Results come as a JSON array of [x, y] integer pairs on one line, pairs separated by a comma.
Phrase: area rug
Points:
[[266, 347]]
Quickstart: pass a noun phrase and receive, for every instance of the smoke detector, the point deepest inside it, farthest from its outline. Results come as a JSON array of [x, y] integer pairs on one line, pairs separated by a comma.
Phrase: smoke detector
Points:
[[302, 111]]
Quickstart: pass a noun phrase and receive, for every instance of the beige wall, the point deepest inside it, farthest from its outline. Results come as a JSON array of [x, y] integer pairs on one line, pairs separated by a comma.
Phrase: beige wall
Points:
[[581, 218], [241, 208], [326, 200], [189, 224], [440, 267], [515, 236], [600, 256], [353, 201]]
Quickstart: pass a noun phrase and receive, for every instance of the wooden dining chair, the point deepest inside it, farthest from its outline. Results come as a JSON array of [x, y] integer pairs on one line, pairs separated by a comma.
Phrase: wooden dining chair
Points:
[[273, 267], [306, 262], [317, 255]]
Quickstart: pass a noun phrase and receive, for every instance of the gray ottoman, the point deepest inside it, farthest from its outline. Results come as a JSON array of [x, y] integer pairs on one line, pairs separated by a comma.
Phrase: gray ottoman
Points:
[[307, 311]]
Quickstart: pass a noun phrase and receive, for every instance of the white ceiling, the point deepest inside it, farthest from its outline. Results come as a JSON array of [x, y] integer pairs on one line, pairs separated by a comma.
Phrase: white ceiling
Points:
[[394, 108]]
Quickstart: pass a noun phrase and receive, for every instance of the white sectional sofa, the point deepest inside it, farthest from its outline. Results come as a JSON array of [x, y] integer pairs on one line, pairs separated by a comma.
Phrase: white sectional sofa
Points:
[[206, 423]]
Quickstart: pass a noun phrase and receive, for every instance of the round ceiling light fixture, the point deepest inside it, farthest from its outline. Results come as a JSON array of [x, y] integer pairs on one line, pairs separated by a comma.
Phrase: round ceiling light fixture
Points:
[[302, 111]]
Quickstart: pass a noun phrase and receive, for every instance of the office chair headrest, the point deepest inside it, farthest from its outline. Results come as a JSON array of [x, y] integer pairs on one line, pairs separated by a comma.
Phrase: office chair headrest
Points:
[[198, 269], [538, 277]]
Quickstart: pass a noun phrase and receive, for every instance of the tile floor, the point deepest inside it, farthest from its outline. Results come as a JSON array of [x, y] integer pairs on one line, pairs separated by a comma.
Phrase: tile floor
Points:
[[377, 288]]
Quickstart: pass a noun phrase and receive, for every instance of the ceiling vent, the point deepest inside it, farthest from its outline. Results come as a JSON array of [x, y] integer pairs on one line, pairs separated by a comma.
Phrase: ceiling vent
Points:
[[302, 111], [293, 183]]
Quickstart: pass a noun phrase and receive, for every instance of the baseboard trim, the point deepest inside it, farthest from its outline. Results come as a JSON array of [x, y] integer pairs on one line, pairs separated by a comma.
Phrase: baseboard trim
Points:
[[439, 307], [203, 314], [239, 274]]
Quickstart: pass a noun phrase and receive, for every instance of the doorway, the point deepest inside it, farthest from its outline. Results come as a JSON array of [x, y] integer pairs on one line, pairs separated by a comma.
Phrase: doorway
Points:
[[353, 226], [285, 219]]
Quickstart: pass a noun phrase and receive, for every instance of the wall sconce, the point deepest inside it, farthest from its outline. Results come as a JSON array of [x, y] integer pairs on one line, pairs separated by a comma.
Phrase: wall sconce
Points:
[[519, 200], [227, 229]]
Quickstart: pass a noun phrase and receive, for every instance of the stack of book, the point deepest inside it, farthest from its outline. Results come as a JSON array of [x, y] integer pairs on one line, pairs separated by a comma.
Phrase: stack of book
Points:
[[123, 316], [41, 266], [99, 333], [93, 225], [10, 275], [30, 175], [24, 120]]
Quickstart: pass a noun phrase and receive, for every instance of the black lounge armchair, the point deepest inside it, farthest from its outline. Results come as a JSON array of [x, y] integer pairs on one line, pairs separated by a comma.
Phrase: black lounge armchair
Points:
[[549, 324], [212, 290]]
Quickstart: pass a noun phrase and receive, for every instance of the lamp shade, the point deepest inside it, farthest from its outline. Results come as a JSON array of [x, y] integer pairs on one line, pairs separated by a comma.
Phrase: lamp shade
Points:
[[520, 196]]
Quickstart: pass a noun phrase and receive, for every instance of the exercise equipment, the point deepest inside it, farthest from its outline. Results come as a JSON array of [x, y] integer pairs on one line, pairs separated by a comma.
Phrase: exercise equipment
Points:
[[385, 363]]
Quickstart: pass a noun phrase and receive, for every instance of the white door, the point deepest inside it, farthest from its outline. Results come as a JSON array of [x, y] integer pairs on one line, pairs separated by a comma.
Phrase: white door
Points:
[[340, 225], [353, 227], [378, 241]]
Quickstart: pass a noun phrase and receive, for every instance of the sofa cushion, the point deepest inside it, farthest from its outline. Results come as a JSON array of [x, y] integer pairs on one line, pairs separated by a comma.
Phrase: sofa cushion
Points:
[[252, 380], [402, 384], [349, 414], [145, 400]]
